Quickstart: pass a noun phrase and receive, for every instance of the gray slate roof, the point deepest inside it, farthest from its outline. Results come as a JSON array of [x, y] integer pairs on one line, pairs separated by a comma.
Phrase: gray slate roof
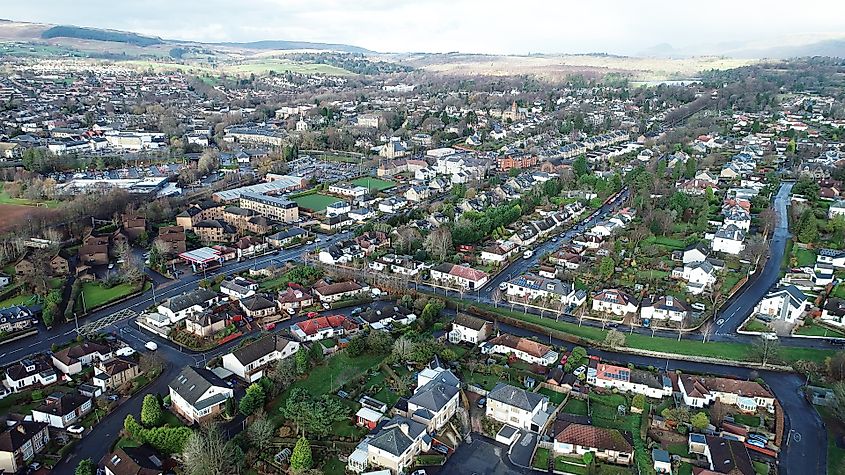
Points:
[[516, 397]]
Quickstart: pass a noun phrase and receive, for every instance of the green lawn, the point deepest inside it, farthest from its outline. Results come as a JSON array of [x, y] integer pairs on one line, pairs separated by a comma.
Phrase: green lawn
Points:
[[371, 184], [315, 202], [16, 300], [835, 454], [674, 244], [541, 459], [804, 257], [96, 295], [570, 465], [576, 406], [265, 66], [681, 449], [761, 468], [812, 328], [555, 397], [839, 291], [431, 459], [729, 281], [333, 466], [755, 325]]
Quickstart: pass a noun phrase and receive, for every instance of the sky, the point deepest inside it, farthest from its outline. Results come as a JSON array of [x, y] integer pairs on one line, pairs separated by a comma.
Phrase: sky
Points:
[[469, 26]]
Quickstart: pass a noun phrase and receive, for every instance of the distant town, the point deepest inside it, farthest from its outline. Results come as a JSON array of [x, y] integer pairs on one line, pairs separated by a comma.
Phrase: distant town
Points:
[[398, 272]]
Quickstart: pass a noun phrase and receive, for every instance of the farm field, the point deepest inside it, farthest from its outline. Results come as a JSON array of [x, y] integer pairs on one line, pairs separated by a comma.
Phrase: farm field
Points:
[[376, 184], [281, 66], [315, 202]]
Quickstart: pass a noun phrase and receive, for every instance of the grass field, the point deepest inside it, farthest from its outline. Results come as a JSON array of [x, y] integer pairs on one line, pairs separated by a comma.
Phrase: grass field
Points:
[[315, 202], [811, 328], [371, 184], [804, 257], [554, 397], [16, 300], [96, 295], [674, 244], [8, 200], [264, 66]]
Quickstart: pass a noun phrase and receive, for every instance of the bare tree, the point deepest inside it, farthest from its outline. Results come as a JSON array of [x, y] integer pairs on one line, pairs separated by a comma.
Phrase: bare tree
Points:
[[406, 236], [206, 452], [439, 243], [768, 219]]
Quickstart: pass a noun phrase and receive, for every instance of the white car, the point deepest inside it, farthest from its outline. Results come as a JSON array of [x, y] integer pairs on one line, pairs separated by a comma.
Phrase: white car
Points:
[[290, 311], [527, 254], [125, 351], [503, 286], [76, 429], [151, 345], [769, 336], [579, 370]]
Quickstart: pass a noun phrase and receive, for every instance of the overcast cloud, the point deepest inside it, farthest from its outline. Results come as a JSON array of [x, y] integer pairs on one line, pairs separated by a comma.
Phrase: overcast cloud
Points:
[[473, 26]]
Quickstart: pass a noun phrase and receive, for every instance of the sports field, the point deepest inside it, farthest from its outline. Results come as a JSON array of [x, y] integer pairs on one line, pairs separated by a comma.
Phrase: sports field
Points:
[[376, 184], [315, 202]]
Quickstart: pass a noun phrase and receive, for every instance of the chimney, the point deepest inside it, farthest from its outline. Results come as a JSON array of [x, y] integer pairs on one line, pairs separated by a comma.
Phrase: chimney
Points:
[[20, 428]]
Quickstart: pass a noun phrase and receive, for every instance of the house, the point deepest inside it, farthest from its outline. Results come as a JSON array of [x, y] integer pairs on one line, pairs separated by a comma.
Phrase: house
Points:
[[62, 410], [607, 445], [294, 297], [320, 328], [728, 239], [699, 276], [4, 280], [134, 226], [698, 391], [238, 287], [544, 291], [338, 291], [209, 322], [522, 348], [141, 460], [174, 239], [94, 254], [30, 372], [248, 362], [470, 329], [70, 360], [198, 395], [833, 257], [833, 311], [784, 303], [498, 253], [837, 208], [614, 302], [371, 241], [738, 217], [436, 397], [15, 318], [181, 306], [517, 407], [695, 253], [287, 237], [664, 308], [114, 373], [31, 263], [624, 379], [396, 445], [727, 456], [258, 306], [379, 317], [19, 444], [463, 276]]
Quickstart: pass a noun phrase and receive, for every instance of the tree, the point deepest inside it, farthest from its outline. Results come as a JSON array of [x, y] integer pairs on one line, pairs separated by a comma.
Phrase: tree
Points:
[[206, 452], [578, 353], [379, 342], [252, 400], [580, 167], [839, 396], [301, 360], [132, 427], [260, 432], [588, 458], [231, 407], [638, 401], [718, 411], [439, 243], [700, 420], [606, 267], [765, 350], [151, 411], [356, 347], [403, 347], [283, 374], [85, 467], [301, 458], [614, 339]]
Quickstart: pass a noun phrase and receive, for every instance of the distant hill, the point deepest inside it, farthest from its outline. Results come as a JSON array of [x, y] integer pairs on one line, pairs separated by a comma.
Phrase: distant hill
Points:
[[284, 45], [788, 46], [83, 33]]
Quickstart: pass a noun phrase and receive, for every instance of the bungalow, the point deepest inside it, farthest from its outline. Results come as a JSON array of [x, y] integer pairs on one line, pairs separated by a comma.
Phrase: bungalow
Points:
[[470, 329], [248, 362], [287, 237], [517, 407], [664, 308], [727, 456], [30, 372], [833, 257], [71, 359], [698, 391], [19, 444], [527, 350], [142, 460], [338, 291], [379, 317], [463, 276], [181, 306], [623, 379], [114, 373], [198, 395], [833, 311], [62, 410], [533, 287], [784, 303], [294, 297], [320, 328], [207, 323], [498, 252], [258, 306], [15, 318], [614, 301], [237, 287], [607, 445]]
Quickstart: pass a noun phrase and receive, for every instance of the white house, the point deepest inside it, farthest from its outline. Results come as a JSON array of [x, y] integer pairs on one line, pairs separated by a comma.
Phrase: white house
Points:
[[664, 308], [248, 362], [72, 359], [462, 276], [238, 288], [836, 209], [435, 400], [608, 445], [180, 307], [614, 301], [527, 350], [831, 257], [738, 217], [699, 276], [470, 329], [29, 372], [395, 446], [784, 303], [728, 239], [517, 407], [699, 391], [637, 381], [533, 287], [62, 410], [198, 395]]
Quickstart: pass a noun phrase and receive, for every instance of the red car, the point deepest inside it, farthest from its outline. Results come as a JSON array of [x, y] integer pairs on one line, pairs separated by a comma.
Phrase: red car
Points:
[[312, 314]]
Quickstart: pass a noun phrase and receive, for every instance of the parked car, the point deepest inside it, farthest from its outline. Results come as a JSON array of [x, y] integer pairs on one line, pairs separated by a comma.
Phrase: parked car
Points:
[[270, 326], [769, 336], [327, 305], [76, 429], [527, 254], [503, 286], [290, 311], [312, 314], [579, 370], [440, 448], [151, 345], [481, 402]]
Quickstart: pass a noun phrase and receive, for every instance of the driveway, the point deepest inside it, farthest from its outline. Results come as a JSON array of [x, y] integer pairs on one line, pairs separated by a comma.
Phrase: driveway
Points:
[[522, 451], [482, 457]]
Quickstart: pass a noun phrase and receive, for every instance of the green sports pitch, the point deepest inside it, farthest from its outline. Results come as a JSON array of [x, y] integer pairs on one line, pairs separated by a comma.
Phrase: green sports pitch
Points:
[[315, 202], [371, 184]]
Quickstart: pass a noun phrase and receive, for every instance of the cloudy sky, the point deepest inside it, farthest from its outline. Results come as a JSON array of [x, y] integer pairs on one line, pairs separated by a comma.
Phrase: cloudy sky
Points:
[[474, 26]]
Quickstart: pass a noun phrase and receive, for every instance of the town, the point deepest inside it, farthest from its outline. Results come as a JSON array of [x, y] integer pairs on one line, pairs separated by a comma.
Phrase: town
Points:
[[392, 271]]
